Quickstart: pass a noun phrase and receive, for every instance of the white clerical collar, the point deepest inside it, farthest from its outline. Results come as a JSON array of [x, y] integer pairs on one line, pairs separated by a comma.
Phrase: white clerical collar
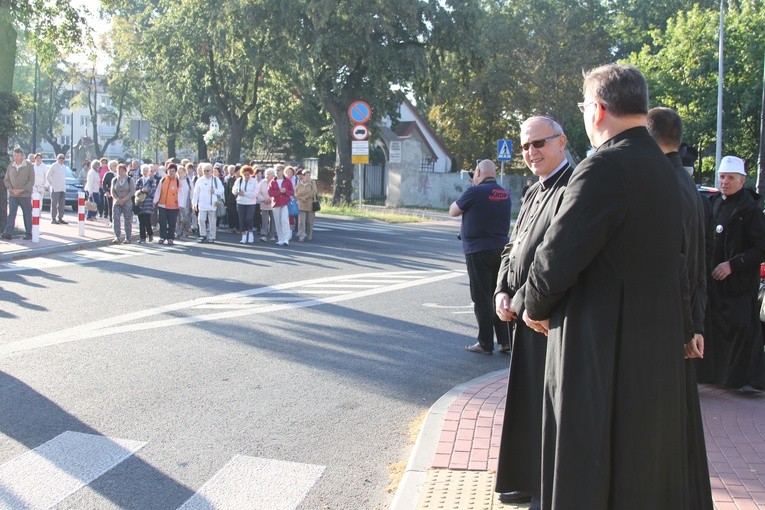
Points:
[[562, 165]]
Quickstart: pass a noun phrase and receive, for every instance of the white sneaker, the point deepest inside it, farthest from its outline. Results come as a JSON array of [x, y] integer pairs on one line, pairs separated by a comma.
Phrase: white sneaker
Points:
[[250, 237], [244, 239]]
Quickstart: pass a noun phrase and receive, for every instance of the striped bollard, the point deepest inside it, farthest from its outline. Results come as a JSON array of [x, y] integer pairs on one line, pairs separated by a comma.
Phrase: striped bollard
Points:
[[35, 217], [81, 213]]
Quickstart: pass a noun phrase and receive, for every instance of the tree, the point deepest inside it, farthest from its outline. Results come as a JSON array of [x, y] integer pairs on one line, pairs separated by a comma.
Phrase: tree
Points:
[[505, 69], [681, 68], [356, 50], [56, 24]]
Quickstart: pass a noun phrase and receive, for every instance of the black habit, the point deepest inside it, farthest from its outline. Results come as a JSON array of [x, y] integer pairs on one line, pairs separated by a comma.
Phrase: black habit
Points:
[[520, 451], [694, 252], [607, 277], [734, 350]]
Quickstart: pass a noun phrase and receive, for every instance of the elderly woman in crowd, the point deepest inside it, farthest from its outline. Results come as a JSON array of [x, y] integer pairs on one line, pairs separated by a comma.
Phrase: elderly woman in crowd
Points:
[[122, 190], [280, 189], [144, 198], [267, 227], [92, 187], [106, 188], [166, 201], [246, 191], [208, 191], [306, 193]]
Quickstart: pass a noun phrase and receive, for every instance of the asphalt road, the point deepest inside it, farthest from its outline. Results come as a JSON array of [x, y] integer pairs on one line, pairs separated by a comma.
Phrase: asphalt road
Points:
[[229, 376]]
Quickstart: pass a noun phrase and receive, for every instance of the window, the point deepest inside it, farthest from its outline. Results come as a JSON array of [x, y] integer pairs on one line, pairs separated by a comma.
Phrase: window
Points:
[[84, 120], [66, 140], [428, 165], [66, 119]]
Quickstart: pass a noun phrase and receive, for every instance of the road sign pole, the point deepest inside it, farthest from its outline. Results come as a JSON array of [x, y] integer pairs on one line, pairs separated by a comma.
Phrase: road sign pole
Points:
[[502, 174]]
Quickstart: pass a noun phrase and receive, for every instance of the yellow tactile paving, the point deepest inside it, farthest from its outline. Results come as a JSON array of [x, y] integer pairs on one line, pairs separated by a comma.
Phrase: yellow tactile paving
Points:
[[447, 489]]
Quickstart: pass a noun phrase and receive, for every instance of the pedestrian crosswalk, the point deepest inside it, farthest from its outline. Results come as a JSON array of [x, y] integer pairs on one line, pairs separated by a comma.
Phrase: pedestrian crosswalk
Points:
[[269, 299], [50, 473]]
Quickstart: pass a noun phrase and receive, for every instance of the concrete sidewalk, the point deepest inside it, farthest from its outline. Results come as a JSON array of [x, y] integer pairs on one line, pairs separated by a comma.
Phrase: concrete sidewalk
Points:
[[453, 462], [58, 238]]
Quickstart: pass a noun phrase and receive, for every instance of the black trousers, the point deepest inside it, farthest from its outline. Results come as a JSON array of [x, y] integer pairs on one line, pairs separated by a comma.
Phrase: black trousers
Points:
[[144, 222], [168, 218], [482, 268]]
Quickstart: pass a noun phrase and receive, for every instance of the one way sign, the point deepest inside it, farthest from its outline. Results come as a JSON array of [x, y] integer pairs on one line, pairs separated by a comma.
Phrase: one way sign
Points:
[[504, 150]]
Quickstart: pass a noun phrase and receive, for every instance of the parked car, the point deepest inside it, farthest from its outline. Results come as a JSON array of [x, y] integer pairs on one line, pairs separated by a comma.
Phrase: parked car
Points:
[[73, 187], [707, 192]]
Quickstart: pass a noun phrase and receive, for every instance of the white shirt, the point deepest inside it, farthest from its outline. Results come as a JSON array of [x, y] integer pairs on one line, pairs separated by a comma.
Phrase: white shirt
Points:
[[40, 171], [250, 189], [56, 177], [207, 192], [93, 181]]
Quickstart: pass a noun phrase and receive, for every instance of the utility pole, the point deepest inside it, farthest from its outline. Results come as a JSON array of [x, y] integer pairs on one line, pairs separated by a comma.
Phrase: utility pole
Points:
[[718, 146], [34, 107], [761, 158]]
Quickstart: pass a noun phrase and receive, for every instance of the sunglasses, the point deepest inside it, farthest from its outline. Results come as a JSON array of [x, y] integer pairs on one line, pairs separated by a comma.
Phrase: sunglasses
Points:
[[538, 143]]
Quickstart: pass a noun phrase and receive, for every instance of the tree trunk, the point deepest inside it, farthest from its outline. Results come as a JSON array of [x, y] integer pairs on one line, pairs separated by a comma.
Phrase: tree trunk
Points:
[[236, 127], [171, 145], [341, 128], [7, 67], [201, 145]]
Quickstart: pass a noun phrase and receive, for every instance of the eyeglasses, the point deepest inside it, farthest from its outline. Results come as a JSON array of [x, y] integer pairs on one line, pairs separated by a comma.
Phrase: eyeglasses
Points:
[[582, 106], [538, 143]]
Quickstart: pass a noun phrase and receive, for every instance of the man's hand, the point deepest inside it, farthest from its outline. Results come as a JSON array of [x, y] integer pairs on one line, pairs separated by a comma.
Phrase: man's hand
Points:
[[694, 348], [503, 308], [542, 326], [722, 271], [16, 192]]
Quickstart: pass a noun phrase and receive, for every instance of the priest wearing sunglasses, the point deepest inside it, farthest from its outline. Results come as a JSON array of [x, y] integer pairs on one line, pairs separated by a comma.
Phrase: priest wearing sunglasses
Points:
[[605, 288], [520, 453]]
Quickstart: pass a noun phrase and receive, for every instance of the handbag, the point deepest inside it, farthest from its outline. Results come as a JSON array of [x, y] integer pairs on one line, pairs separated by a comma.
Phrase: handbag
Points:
[[220, 209], [316, 206], [292, 207], [140, 196], [90, 206]]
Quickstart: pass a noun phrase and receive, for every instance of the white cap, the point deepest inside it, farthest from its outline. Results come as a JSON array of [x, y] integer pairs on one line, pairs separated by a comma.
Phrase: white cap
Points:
[[732, 165]]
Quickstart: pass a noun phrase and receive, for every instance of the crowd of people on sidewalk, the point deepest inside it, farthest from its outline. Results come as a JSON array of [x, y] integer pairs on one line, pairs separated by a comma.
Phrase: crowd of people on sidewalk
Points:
[[178, 199], [620, 288]]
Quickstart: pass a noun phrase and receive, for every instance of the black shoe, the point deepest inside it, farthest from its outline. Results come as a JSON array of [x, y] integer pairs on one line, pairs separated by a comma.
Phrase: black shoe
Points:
[[55, 222], [748, 389], [27, 237], [7, 236], [504, 348], [514, 497], [476, 348], [63, 222], [202, 240]]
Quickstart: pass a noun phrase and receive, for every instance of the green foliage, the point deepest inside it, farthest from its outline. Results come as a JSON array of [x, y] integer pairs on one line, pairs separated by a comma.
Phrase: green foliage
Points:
[[519, 59], [681, 68]]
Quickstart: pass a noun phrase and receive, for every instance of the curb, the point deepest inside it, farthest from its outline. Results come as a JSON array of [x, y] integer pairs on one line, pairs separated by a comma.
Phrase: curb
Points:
[[49, 250], [409, 489]]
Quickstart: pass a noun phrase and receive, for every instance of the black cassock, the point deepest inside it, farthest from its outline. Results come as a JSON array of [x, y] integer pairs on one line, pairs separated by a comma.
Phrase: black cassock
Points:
[[607, 277], [520, 451]]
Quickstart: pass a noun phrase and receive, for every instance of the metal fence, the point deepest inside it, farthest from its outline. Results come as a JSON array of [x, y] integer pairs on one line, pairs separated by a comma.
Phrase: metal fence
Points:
[[374, 182]]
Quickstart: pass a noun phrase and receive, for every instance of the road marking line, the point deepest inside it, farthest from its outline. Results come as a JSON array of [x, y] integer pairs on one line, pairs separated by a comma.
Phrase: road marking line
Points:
[[250, 483], [341, 286], [47, 475], [111, 325]]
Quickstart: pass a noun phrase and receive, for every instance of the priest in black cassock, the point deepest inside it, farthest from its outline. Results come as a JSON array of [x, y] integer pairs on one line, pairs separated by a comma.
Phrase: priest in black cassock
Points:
[[666, 127], [605, 286], [520, 452]]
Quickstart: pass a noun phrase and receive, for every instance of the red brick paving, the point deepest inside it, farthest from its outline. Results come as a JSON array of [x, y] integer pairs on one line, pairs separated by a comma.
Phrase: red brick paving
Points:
[[734, 426]]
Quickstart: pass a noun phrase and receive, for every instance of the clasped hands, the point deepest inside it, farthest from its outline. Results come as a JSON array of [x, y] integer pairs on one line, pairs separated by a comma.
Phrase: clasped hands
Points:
[[507, 313]]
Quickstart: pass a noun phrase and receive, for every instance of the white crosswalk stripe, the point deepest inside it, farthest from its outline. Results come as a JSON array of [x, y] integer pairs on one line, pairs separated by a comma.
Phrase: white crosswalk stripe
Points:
[[250, 483], [101, 254], [47, 475], [316, 293]]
